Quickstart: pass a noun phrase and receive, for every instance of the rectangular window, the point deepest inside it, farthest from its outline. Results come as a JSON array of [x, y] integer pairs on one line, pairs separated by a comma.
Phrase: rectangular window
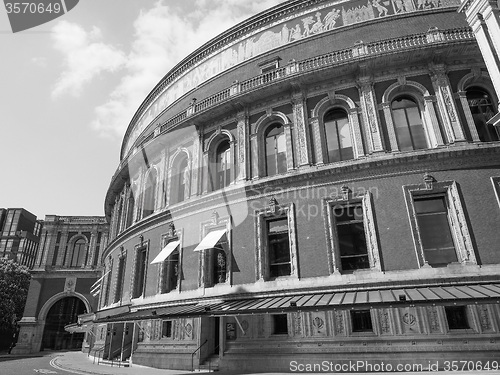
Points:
[[280, 324], [140, 272], [120, 279], [351, 237], [434, 230], [279, 248], [456, 317], [361, 321], [166, 329], [170, 272]]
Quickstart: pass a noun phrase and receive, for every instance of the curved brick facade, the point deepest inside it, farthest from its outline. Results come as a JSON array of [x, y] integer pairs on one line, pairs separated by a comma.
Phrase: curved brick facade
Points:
[[316, 184]]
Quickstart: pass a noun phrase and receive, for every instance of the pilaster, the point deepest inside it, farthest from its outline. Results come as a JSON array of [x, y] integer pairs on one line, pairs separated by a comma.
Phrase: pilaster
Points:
[[446, 104], [370, 116], [468, 116], [386, 107], [434, 131], [302, 142], [242, 160], [318, 143]]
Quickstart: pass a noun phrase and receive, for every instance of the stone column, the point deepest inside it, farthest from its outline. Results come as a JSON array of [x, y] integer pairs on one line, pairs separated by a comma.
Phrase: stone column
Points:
[[196, 162], [289, 147], [302, 141], [317, 139], [256, 160], [370, 117], [64, 252], [243, 157], [468, 116], [483, 16], [91, 248], [206, 173], [391, 130], [357, 139], [232, 153]]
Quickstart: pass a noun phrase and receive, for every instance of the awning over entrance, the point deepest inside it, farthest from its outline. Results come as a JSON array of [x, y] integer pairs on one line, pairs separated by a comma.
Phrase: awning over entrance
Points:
[[481, 293], [210, 240], [167, 250]]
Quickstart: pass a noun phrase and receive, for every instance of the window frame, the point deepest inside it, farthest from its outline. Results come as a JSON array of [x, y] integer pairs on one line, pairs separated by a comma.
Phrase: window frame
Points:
[[206, 257], [459, 227], [171, 235], [275, 325], [370, 330], [466, 317], [414, 100], [337, 134], [120, 276], [333, 246], [269, 129], [262, 216], [144, 246], [150, 187]]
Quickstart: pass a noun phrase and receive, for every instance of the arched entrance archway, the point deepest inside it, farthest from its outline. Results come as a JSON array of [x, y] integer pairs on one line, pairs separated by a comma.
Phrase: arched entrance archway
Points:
[[63, 312]]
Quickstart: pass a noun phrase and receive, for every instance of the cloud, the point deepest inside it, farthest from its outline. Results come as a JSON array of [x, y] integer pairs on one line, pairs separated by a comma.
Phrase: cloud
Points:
[[164, 35], [84, 57]]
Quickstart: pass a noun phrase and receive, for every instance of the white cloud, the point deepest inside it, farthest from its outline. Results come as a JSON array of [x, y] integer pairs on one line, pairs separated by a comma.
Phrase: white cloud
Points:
[[164, 35], [84, 56]]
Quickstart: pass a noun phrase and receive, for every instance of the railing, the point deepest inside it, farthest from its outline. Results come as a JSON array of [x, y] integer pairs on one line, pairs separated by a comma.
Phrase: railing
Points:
[[359, 50], [121, 351], [193, 353], [101, 349]]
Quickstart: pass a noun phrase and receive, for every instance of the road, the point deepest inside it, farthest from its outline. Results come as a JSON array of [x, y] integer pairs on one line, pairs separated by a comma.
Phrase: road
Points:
[[29, 365]]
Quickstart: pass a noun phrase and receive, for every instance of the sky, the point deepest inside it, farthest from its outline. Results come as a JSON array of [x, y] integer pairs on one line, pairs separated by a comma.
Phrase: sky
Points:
[[69, 87]]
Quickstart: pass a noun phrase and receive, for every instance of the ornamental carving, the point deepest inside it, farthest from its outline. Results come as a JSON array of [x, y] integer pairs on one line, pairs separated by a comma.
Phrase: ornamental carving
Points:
[[297, 324], [339, 323], [433, 316], [385, 325], [484, 318]]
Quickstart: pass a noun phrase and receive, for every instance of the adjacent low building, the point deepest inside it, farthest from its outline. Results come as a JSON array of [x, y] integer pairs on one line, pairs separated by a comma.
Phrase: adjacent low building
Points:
[[67, 266], [318, 183]]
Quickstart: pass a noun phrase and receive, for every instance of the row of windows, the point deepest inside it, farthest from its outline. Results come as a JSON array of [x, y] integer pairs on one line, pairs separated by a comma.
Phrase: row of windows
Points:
[[411, 133], [361, 321], [435, 209]]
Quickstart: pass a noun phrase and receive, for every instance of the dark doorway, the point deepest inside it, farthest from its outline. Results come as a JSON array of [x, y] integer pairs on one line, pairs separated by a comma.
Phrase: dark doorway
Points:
[[62, 313]]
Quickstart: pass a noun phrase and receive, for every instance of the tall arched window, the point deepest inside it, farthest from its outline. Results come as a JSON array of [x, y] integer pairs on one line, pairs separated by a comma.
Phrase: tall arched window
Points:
[[338, 136], [275, 150], [180, 180], [223, 165], [408, 124], [482, 109], [79, 253], [149, 194]]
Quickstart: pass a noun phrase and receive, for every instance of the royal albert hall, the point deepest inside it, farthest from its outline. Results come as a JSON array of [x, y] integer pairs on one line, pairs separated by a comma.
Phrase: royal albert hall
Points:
[[318, 184]]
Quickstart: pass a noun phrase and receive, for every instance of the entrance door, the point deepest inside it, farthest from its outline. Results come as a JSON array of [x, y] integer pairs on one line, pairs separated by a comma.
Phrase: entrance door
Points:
[[63, 312]]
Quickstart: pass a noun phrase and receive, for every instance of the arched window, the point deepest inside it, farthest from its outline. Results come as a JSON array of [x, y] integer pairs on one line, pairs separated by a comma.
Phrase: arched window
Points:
[[275, 150], [223, 165], [338, 136], [149, 194], [180, 181], [79, 253], [118, 218], [130, 209], [408, 124], [482, 109]]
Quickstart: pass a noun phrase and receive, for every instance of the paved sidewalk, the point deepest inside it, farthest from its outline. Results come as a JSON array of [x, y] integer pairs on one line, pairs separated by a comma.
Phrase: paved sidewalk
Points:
[[81, 363]]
